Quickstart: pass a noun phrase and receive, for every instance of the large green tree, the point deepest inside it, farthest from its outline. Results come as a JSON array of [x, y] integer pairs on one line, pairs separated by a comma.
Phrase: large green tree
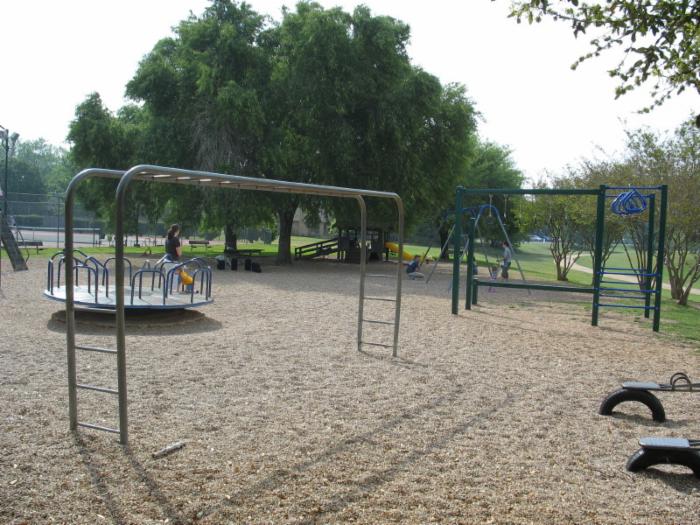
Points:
[[660, 39], [350, 109], [322, 97], [51, 163], [202, 90], [102, 139], [486, 165]]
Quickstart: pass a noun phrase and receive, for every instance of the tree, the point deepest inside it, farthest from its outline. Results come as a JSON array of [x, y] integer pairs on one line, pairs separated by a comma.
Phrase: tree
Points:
[[101, 139], [50, 162], [660, 39], [562, 218], [349, 109], [674, 161], [202, 90], [486, 165], [24, 177], [592, 174], [323, 97]]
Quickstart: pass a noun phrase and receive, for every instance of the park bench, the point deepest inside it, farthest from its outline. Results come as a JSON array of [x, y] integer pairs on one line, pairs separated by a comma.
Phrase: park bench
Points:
[[193, 244], [31, 244]]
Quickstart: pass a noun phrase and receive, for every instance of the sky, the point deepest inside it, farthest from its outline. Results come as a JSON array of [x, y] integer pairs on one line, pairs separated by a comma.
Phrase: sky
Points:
[[55, 53]]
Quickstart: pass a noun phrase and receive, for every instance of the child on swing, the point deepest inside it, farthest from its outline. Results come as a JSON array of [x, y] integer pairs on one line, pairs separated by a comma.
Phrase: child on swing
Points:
[[413, 267]]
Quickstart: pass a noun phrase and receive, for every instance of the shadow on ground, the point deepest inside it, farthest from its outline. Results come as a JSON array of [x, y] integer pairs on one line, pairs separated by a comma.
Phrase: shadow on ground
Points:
[[149, 322]]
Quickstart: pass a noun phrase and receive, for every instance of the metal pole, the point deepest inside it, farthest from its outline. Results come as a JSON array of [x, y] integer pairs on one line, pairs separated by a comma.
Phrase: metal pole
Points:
[[530, 191], [470, 263], [69, 284], [442, 250], [660, 257], [7, 168], [650, 255], [598, 253], [457, 241], [121, 310], [363, 264], [58, 222], [70, 307], [399, 277]]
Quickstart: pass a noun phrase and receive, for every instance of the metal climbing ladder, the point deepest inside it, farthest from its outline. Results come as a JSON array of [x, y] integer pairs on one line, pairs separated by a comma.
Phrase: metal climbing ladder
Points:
[[74, 386], [120, 353], [647, 286], [392, 301], [10, 243]]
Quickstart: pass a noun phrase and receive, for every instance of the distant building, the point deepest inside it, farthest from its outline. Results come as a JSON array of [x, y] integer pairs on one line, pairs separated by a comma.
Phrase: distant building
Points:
[[300, 228]]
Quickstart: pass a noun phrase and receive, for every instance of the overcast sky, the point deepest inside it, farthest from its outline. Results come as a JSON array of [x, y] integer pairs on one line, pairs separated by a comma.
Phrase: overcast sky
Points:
[[57, 52]]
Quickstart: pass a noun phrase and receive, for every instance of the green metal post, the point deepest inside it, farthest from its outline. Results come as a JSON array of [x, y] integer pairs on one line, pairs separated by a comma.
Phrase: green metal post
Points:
[[650, 255], [660, 257], [470, 263], [598, 253], [457, 250], [475, 293]]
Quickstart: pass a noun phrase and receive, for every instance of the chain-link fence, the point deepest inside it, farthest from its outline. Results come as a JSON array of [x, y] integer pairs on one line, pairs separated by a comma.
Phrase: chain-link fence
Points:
[[40, 218]]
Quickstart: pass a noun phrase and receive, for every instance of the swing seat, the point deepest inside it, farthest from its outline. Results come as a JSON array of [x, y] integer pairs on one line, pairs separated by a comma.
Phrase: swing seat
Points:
[[644, 385], [641, 391], [663, 450]]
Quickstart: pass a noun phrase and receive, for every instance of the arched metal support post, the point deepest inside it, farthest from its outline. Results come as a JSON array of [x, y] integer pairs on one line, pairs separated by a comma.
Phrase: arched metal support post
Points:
[[201, 178], [457, 241], [69, 280], [598, 252], [399, 275], [121, 306], [363, 268], [660, 257]]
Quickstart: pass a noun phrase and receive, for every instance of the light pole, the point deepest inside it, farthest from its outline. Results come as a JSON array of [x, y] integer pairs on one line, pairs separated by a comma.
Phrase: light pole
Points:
[[8, 142]]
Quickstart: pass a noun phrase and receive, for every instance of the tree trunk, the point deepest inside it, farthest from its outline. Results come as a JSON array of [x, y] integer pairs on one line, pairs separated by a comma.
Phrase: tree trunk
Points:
[[230, 238], [286, 218], [561, 272]]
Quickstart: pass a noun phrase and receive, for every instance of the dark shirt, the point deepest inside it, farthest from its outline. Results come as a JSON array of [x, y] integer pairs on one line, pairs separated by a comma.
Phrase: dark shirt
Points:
[[412, 267], [171, 246]]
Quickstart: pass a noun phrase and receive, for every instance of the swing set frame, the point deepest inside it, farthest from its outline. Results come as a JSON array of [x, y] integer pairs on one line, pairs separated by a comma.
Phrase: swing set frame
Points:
[[652, 272]]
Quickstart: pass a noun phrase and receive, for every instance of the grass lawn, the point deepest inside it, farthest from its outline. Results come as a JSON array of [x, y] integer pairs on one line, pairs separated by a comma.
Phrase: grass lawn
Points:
[[537, 264]]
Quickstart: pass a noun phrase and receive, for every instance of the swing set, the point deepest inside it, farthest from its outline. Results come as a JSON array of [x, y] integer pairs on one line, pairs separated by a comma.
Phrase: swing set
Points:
[[607, 281], [477, 213]]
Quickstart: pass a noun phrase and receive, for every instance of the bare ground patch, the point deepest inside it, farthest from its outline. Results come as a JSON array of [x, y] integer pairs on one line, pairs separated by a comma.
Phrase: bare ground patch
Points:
[[488, 416]]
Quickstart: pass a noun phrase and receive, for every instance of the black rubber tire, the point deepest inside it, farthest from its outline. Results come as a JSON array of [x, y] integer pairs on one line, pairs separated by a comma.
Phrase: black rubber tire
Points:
[[642, 396], [647, 457]]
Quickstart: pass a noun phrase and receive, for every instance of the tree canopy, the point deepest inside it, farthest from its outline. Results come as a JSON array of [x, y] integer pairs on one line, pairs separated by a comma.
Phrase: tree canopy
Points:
[[323, 96], [651, 159], [660, 39]]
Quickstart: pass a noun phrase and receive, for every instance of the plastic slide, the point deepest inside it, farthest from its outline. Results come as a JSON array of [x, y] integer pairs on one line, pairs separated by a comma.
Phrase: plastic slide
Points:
[[394, 248]]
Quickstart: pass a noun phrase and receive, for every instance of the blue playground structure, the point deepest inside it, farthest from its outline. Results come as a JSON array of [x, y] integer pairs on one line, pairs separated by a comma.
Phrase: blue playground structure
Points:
[[168, 286]]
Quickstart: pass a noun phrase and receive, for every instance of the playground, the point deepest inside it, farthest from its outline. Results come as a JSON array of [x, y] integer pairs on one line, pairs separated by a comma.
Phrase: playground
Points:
[[488, 416]]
